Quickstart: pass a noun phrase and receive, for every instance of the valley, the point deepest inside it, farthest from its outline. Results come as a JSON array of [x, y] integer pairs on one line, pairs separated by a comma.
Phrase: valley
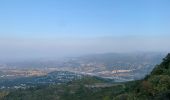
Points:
[[114, 67]]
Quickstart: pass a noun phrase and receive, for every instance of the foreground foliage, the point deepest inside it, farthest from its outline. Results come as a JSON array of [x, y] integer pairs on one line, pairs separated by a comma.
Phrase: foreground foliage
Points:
[[156, 86]]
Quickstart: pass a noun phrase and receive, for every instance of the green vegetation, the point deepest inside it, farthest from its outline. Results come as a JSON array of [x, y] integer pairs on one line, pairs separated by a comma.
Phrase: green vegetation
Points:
[[155, 86], [3, 94], [75, 90]]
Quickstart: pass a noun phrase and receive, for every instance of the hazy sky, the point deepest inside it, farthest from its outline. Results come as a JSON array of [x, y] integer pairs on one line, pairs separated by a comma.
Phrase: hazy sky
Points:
[[55, 28]]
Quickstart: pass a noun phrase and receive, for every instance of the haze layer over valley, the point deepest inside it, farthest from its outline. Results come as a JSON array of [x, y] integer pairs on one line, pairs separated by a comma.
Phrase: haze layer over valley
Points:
[[116, 66]]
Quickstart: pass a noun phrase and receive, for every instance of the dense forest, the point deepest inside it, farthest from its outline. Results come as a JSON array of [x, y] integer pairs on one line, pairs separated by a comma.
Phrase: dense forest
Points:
[[155, 86]]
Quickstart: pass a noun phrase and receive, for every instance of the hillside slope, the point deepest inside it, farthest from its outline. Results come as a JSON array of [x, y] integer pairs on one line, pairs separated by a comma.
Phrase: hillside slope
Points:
[[155, 86]]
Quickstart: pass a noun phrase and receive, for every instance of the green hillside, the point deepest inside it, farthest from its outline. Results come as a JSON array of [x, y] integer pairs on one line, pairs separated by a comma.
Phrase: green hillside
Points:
[[155, 86]]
